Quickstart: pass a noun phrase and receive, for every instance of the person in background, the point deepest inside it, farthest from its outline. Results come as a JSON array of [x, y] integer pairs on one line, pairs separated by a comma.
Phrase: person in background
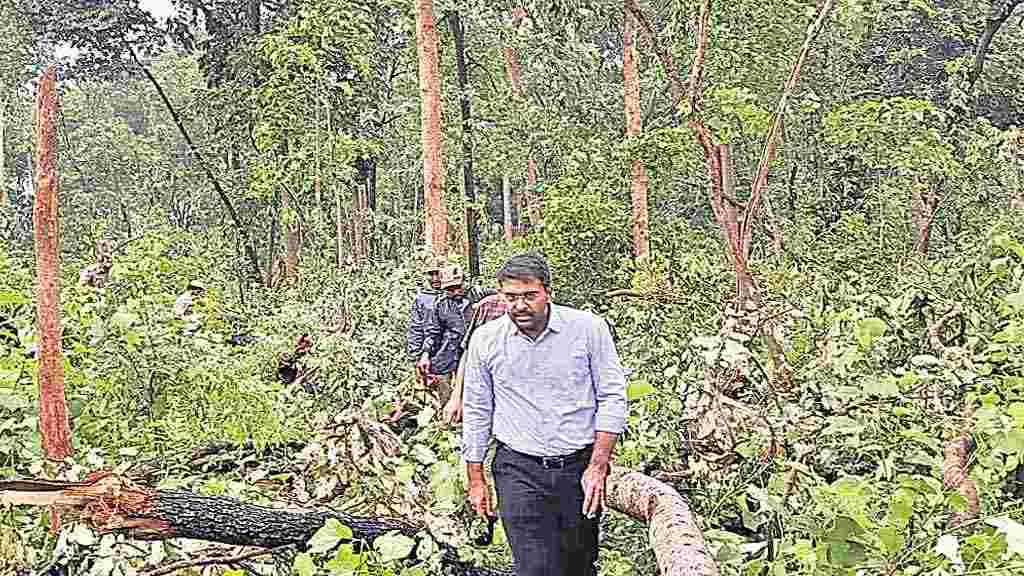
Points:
[[183, 307], [423, 310], [545, 380], [445, 332], [489, 308]]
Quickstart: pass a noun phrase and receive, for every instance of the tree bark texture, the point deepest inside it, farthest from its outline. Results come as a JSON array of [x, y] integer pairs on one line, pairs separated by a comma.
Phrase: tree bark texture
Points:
[[53, 416], [631, 100], [108, 503], [468, 182], [430, 114], [924, 205]]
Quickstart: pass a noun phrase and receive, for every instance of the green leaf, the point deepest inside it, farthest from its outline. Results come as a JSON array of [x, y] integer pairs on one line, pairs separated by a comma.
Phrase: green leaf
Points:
[[842, 425], [843, 528], [303, 565], [345, 561], [892, 540], [846, 554], [1015, 441], [1016, 300], [886, 387], [12, 299], [328, 536], [123, 319], [639, 389], [393, 546], [870, 329]]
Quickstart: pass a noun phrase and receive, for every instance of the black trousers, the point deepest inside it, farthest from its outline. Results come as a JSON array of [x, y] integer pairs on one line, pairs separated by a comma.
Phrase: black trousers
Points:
[[542, 513]]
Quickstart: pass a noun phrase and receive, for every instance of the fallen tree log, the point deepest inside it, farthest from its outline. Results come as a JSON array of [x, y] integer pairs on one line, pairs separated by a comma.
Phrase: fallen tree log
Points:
[[109, 503]]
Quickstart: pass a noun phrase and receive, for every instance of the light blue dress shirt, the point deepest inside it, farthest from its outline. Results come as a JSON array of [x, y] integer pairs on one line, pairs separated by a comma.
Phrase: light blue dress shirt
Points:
[[543, 397]]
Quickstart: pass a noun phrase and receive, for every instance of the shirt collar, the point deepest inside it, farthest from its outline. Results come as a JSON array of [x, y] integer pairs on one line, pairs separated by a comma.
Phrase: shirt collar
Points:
[[555, 322]]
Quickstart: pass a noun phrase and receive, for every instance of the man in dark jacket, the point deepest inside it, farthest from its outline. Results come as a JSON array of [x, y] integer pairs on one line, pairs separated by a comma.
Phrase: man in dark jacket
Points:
[[423, 310], [445, 333]]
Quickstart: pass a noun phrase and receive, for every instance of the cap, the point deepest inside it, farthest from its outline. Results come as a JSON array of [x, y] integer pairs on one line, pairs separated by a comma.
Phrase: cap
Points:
[[434, 264], [451, 276]]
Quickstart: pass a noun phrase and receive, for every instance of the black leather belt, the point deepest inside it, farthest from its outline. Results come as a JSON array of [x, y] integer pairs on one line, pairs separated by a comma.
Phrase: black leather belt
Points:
[[555, 462]]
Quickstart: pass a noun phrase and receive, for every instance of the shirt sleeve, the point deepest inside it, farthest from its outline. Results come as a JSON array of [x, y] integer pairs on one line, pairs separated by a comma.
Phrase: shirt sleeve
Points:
[[414, 336], [477, 404], [609, 381], [432, 328]]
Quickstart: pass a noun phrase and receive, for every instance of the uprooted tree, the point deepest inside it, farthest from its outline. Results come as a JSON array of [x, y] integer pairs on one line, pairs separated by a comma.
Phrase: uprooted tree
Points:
[[110, 503]]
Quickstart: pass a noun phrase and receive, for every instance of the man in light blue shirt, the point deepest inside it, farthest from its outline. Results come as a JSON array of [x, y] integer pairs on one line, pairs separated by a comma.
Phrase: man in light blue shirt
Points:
[[546, 382]]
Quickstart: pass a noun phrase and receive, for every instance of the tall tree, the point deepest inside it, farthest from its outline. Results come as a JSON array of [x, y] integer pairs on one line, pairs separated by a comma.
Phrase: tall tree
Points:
[[468, 184], [515, 77], [735, 218], [53, 414], [430, 128], [631, 101]]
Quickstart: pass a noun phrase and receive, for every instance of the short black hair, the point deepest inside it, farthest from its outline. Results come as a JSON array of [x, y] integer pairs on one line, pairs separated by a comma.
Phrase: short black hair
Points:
[[530, 266]]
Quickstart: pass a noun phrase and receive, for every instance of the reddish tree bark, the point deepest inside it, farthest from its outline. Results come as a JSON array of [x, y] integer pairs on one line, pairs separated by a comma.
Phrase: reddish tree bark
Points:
[[735, 218], [430, 115], [53, 415], [292, 239], [631, 100], [924, 204]]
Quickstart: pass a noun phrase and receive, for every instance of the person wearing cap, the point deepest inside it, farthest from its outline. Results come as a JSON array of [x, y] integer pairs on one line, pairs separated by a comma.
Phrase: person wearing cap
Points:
[[423, 310], [447, 328], [545, 381]]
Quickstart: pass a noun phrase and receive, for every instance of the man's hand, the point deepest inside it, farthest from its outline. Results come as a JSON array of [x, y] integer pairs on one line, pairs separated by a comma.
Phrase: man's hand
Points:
[[453, 410], [479, 496], [594, 497], [423, 367]]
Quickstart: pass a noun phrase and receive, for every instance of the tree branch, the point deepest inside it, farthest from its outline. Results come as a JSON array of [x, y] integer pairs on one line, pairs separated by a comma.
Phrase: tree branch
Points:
[[991, 29], [775, 134], [196, 562], [663, 55], [232, 213]]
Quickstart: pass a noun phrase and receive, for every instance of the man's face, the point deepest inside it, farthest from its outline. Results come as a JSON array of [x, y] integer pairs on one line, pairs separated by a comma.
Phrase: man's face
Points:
[[528, 303], [434, 277]]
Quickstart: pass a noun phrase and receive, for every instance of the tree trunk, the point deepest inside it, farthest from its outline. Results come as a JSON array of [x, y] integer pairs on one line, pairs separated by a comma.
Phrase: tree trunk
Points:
[[430, 113], [506, 206], [631, 99], [53, 416], [3, 155], [292, 237], [108, 503], [358, 229], [468, 182], [339, 229], [924, 204]]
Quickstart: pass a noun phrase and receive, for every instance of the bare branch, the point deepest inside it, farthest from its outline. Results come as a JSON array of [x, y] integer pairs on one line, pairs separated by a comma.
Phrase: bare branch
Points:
[[196, 562], [774, 135]]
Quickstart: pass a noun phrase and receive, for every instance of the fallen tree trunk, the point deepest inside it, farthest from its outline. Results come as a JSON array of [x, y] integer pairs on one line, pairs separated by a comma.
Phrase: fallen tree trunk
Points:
[[109, 503]]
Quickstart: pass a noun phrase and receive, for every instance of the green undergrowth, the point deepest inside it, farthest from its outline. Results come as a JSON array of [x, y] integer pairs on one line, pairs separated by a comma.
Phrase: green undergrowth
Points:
[[856, 487]]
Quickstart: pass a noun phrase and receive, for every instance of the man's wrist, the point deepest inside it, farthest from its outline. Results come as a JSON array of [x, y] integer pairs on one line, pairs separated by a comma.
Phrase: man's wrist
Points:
[[475, 472]]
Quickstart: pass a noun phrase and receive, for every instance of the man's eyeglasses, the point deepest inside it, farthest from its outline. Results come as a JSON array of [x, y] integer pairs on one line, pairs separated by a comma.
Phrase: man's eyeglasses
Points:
[[527, 297]]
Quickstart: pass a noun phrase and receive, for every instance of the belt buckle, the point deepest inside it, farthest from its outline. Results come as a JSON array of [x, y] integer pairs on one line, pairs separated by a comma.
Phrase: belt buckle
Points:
[[552, 462]]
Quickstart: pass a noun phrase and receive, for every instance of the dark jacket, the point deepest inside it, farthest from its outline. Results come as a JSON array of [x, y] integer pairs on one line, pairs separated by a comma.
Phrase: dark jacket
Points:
[[450, 320], [419, 319]]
